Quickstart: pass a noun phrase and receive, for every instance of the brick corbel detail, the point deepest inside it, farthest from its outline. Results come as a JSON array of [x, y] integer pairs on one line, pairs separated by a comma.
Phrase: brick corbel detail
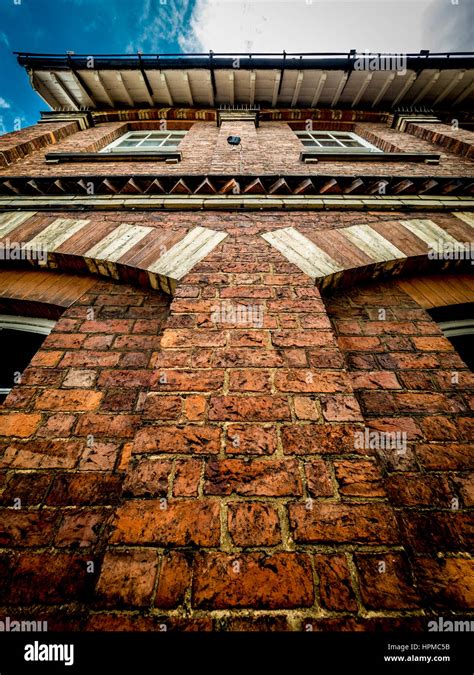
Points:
[[460, 142], [18, 144]]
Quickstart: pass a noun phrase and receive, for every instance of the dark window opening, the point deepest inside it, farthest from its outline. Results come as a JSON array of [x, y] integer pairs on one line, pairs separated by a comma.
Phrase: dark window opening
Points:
[[457, 324], [20, 339]]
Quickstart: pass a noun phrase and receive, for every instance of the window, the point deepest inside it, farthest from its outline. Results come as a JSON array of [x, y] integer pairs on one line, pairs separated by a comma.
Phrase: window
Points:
[[335, 141], [20, 339], [457, 324], [146, 141]]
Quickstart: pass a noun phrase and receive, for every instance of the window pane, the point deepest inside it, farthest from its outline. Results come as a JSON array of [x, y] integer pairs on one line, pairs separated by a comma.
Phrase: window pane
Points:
[[150, 144], [127, 144]]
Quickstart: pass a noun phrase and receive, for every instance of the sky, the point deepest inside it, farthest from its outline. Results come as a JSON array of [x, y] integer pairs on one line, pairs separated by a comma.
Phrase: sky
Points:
[[182, 26]]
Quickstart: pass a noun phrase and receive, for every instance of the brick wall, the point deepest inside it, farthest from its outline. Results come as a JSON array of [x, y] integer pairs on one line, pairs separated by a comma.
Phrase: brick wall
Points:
[[272, 148], [206, 462]]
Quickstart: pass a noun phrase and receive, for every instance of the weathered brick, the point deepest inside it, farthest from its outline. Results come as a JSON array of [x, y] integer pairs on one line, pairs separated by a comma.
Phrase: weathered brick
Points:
[[324, 523], [73, 399], [127, 578], [385, 581], [335, 589], [259, 477], [189, 439], [282, 580], [187, 522], [253, 524], [247, 408]]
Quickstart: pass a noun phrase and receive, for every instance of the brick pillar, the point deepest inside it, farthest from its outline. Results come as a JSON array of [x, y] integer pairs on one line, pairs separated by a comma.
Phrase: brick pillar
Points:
[[246, 158]]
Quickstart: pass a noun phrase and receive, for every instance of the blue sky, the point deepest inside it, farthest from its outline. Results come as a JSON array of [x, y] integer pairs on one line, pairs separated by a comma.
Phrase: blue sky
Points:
[[160, 26]]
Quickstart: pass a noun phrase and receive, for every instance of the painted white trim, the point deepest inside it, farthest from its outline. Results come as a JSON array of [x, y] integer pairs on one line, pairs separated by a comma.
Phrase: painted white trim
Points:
[[116, 146], [30, 324], [457, 327], [362, 144]]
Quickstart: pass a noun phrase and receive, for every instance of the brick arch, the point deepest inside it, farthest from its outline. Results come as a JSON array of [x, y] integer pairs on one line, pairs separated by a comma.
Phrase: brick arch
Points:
[[131, 249], [351, 255]]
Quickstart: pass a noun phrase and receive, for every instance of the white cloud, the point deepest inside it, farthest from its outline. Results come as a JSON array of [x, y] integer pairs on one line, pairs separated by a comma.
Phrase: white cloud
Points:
[[310, 26], [3, 129], [4, 39], [4, 104]]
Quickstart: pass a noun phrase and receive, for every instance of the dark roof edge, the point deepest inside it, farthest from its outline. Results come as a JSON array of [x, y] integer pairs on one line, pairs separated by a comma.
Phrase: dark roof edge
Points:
[[246, 61]]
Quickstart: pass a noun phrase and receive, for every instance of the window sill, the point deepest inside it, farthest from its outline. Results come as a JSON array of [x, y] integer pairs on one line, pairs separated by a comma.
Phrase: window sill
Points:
[[314, 156], [171, 156]]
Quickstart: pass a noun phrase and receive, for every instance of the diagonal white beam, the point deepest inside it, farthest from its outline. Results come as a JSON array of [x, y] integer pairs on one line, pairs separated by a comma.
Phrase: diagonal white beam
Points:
[[339, 89], [433, 79], [317, 93], [411, 78], [164, 84], [464, 93], [125, 90], [85, 95], [383, 89], [187, 86], [296, 93], [362, 88], [275, 88], [44, 91], [253, 82], [453, 82], [57, 80], [100, 81], [210, 90], [231, 87]]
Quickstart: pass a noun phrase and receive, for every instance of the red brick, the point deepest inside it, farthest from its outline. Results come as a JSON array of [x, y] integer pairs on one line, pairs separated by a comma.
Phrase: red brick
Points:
[[20, 425], [189, 337], [190, 439], [250, 440], [148, 478], [85, 488], [359, 478], [187, 380], [43, 454], [80, 528], [369, 344], [114, 426], [340, 408], [127, 578], [187, 477], [385, 581], [303, 338], [174, 579], [282, 580], [318, 479], [195, 408], [312, 381], [253, 524], [247, 408], [432, 344], [447, 582], [419, 490], [50, 578], [159, 407], [249, 380], [317, 439], [26, 528], [335, 589], [324, 523], [187, 522], [382, 379], [74, 399], [259, 477], [446, 456]]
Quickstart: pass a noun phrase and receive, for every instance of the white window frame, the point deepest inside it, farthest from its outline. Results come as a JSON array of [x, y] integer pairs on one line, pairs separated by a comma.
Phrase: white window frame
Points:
[[363, 145], [116, 146], [457, 327], [29, 324]]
